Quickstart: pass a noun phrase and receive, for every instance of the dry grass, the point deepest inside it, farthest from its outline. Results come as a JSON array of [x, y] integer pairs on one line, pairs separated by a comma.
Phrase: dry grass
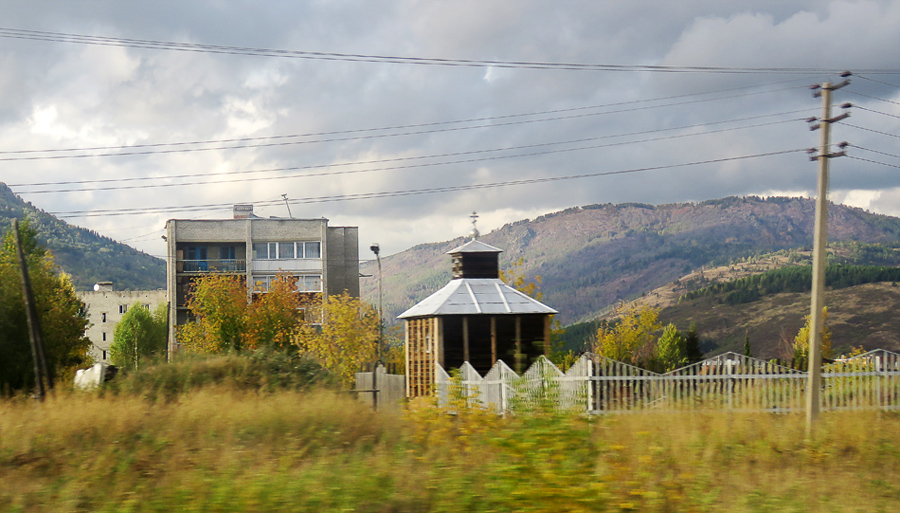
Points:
[[221, 449]]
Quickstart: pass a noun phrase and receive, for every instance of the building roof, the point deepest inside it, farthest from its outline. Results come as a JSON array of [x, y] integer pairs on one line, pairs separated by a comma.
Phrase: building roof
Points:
[[473, 296], [475, 246]]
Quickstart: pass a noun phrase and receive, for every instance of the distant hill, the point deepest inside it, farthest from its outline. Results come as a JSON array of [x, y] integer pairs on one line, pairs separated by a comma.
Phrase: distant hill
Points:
[[594, 256], [88, 256], [862, 315]]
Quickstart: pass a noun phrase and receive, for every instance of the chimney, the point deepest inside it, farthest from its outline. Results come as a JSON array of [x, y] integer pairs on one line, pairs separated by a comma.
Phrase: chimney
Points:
[[243, 211]]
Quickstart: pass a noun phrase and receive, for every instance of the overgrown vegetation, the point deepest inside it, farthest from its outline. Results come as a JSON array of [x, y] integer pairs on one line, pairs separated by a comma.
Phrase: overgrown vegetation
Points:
[[227, 448], [339, 331], [264, 370]]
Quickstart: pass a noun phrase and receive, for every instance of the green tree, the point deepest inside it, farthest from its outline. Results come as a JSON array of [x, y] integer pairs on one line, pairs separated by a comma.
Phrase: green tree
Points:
[[140, 332], [747, 344], [692, 345], [670, 350], [347, 337], [61, 313]]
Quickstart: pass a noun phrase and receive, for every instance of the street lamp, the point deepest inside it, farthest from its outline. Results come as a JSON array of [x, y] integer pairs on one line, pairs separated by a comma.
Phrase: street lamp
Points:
[[377, 250]]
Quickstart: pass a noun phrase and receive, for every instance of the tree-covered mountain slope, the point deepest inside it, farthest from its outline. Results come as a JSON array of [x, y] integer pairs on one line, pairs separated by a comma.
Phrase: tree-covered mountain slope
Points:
[[594, 256], [88, 256]]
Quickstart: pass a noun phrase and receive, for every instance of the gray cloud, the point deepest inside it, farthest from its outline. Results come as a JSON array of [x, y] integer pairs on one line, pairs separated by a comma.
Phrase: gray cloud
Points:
[[63, 95]]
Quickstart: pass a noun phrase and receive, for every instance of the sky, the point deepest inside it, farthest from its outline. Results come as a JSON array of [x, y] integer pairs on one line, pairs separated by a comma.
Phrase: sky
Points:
[[402, 117]]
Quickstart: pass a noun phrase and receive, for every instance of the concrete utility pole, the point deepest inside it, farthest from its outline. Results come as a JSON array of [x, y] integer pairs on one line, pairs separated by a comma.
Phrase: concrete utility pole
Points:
[[816, 317]]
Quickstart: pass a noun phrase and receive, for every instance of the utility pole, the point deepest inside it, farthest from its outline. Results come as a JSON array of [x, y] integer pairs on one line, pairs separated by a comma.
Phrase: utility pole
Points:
[[34, 326], [817, 301]]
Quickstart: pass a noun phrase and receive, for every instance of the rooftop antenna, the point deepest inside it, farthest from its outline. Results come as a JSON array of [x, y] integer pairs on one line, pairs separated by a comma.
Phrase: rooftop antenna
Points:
[[288, 205], [474, 233]]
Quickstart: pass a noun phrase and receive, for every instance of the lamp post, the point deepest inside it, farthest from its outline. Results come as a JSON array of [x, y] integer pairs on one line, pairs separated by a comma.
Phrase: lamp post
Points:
[[377, 250]]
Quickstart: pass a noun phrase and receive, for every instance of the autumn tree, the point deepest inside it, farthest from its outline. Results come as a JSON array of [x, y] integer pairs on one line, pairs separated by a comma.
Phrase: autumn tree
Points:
[[631, 339], [801, 343], [62, 315], [346, 338], [139, 335], [226, 321], [515, 277], [218, 304]]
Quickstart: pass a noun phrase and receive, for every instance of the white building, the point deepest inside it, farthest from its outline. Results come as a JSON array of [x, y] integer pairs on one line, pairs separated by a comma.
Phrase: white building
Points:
[[105, 308]]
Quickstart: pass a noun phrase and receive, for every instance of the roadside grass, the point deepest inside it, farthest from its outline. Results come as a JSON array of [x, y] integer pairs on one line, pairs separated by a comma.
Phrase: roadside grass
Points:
[[228, 448]]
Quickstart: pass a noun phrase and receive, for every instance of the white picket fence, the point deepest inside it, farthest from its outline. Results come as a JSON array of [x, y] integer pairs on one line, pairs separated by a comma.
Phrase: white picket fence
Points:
[[599, 385]]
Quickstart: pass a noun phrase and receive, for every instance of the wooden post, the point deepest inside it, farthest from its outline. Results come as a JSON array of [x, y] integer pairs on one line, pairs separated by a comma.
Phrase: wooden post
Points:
[[465, 330], [493, 340], [34, 325], [547, 336], [519, 356]]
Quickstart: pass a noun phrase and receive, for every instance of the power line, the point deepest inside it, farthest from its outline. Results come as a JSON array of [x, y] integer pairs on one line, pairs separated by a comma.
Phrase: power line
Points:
[[421, 165], [871, 130], [418, 125], [411, 192], [876, 111], [877, 81], [873, 161], [874, 151], [364, 137], [60, 37], [873, 97]]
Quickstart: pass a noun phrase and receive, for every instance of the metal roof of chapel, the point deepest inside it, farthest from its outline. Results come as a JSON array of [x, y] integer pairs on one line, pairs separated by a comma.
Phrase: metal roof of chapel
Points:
[[473, 296]]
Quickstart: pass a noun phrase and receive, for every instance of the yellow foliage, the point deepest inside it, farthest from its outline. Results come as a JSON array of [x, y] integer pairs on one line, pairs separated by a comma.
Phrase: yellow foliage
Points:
[[801, 342], [515, 278], [226, 321], [631, 339], [347, 337]]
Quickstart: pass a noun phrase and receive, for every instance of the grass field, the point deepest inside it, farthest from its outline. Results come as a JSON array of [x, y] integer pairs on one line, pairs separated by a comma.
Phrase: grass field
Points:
[[224, 449]]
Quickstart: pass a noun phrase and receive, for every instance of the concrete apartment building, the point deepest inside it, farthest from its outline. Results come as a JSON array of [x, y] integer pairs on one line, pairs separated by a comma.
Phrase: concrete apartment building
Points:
[[324, 259], [105, 308]]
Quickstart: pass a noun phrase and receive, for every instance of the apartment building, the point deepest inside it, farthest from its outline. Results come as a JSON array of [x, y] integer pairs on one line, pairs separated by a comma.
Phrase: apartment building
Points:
[[324, 259], [105, 308]]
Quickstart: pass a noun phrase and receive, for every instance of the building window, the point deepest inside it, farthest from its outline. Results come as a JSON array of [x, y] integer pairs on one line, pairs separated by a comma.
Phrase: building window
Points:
[[104, 354], [260, 251], [104, 336], [103, 317], [227, 253], [309, 283], [312, 249], [123, 309], [286, 250], [196, 253], [304, 283], [147, 306]]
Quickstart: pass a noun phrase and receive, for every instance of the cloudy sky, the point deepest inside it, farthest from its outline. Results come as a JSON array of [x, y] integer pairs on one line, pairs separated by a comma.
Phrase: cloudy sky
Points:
[[402, 117]]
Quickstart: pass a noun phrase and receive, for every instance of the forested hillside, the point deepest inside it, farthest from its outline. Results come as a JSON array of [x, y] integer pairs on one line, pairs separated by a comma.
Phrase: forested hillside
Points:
[[594, 256], [86, 255]]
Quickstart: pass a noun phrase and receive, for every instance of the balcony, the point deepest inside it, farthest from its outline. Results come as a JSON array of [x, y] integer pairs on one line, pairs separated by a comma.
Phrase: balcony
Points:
[[212, 266]]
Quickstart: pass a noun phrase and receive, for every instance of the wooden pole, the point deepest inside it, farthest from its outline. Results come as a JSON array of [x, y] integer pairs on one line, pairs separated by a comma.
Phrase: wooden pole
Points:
[[34, 327]]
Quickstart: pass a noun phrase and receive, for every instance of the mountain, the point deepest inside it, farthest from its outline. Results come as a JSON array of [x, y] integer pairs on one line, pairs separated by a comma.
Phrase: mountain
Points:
[[88, 256], [594, 256]]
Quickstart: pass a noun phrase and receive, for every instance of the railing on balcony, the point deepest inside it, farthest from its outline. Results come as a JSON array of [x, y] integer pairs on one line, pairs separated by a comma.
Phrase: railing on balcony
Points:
[[213, 266]]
